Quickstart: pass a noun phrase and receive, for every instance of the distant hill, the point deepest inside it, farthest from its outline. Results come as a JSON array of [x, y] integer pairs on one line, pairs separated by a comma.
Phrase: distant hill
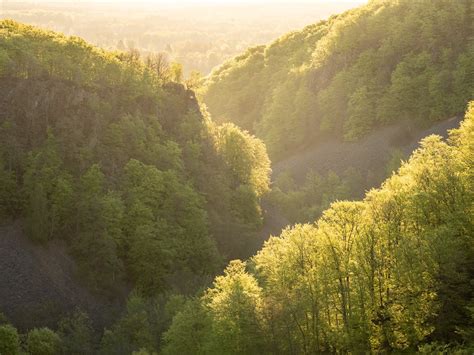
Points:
[[388, 61], [199, 35]]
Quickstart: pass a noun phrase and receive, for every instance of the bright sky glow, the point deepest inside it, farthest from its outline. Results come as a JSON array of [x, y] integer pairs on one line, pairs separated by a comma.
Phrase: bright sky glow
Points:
[[199, 2]]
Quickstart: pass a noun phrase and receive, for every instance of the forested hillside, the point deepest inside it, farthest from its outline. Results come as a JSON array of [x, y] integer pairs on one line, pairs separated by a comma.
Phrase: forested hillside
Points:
[[390, 273], [109, 155], [388, 61], [125, 196], [306, 183]]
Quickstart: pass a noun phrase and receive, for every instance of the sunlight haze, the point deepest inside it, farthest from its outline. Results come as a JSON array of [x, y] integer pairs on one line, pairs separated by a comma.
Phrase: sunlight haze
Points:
[[236, 177], [194, 2], [199, 34]]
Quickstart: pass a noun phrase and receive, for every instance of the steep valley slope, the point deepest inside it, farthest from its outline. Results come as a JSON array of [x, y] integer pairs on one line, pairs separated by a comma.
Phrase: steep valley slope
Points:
[[371, 153]]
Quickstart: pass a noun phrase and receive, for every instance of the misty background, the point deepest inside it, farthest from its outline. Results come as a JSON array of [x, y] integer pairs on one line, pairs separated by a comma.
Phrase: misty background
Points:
[[198, 34]]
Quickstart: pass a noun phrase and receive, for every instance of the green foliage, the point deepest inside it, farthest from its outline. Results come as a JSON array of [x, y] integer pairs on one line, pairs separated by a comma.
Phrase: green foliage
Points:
[[226, 321], [194, 81], [396, 160], [68, 57], [249, 170], [245, 205], [106, 152], [9, 340], [76, 334], [188, 330], [241, 197], [120, 162], [42, 341], [307, 202], [49, 193], [98, 218], [143, 352], [140, 327], [391, 273], [133, 331], [164, 221], [234, 303], [176, 72], [246, 156], [384, 62]]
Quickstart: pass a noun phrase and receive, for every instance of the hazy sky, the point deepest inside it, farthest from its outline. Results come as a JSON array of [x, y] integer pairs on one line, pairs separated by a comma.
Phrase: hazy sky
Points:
[[198, 2]]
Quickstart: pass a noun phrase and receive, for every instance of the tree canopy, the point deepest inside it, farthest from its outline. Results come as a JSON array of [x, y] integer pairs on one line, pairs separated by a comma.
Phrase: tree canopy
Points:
[[390, 273], [388, 61], [106, 152]]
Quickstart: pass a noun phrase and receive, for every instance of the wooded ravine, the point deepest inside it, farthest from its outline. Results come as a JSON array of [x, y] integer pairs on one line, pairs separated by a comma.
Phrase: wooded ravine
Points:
[[140, 212]]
